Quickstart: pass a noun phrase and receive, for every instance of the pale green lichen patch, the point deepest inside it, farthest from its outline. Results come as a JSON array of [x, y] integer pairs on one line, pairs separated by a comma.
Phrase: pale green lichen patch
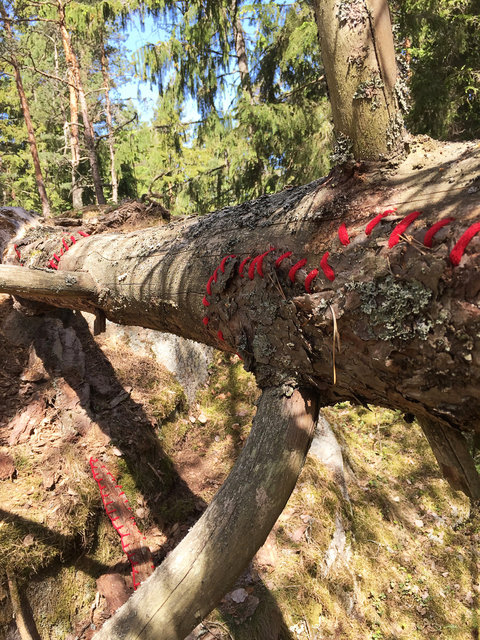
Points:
[[396, 310]]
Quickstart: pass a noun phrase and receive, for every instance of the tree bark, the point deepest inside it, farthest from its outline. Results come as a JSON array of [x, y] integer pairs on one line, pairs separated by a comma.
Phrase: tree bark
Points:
[[241, 49], [108, 114], [176, 598], [358, 55], [74, 74], [32, 141]]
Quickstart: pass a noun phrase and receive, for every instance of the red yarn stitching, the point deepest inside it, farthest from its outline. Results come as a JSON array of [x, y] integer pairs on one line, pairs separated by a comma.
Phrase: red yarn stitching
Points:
[[220, 335], [308, 280], [401, 227], [52, 264], [279, 260], [17, 252], [205, 302], [224, 261], [64, 242], [72, 238], [242, 266], [343, 235], [326, 268], [458, 250], [301, 263], [373, 223], [205, 320], [215, 275], [85, 235], [209, 285], [258, 263], [428, 239]]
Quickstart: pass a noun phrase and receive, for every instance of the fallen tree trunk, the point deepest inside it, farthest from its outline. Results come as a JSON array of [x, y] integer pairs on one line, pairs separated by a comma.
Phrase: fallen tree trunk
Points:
[[401, 294]]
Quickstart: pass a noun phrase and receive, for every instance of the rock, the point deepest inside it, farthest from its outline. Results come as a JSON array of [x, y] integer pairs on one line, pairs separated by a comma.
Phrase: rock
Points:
[[202, 419], [7, 466], [239, 595], [113, 588]]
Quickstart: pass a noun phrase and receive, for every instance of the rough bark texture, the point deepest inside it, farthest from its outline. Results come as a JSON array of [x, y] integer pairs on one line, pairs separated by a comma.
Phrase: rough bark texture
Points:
[[240, 49], [359, 59], [176, 598], [32, 141]]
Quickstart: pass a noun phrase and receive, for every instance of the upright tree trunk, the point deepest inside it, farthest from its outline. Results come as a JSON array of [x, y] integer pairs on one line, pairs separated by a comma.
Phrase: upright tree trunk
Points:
[[42, 192], [358, 55], [240, 49], [108, 113], [77, 190], [74, 72]]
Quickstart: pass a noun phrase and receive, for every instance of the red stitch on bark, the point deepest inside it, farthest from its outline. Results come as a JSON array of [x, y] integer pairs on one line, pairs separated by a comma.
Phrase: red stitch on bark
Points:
[[85, 235], [308, 280], [205, 321], [428, 239], [373, 223], [220, 335], [209, 285], [326, 268], [251, 268], [52, 264], [61, 252], [259, 262], [298, 265], [343, 235], [205, 302], [279, 260], [72, 238], [215, 275], [224, 261], [242, 266], [64, 242], [56, 257], [17, 252], [458, 250], [401, 227]]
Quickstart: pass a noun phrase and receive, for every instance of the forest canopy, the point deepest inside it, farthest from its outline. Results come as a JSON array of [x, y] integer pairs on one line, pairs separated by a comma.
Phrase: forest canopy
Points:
[[254, 72]]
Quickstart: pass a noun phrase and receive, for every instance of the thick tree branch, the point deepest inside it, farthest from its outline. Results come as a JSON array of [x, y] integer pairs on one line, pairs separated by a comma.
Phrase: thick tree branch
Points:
[[235, 525]]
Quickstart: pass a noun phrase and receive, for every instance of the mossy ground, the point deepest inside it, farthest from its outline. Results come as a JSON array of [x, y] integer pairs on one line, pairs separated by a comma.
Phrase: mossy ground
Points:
[[407, 568]]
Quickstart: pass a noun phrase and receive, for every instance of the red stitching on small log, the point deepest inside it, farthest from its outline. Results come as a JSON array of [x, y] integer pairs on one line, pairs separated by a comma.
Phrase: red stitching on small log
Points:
[[17, 252], [458, 250], [308, 280], [279, 260], [298, 265], [205, 302], [215, 275], [401, 227], [251, 268], [224, 261], [259, 261], [220, 335], [56, 257], [428, 239], [84, 234], [64, 242], [242, 266], [205, 320], [72, 238], [343, 235], [326, 268], [52, 264], [373, 223]]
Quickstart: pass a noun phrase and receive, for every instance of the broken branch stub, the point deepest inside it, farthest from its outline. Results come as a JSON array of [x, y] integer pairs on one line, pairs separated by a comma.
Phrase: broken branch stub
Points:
[[197, 573]]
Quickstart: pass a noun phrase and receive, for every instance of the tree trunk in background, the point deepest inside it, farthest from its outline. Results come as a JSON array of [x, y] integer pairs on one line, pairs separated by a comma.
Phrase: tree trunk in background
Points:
[[77, 191], [74, 73], [108, 114], [240, 49], [358, 55], [42, 192]]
